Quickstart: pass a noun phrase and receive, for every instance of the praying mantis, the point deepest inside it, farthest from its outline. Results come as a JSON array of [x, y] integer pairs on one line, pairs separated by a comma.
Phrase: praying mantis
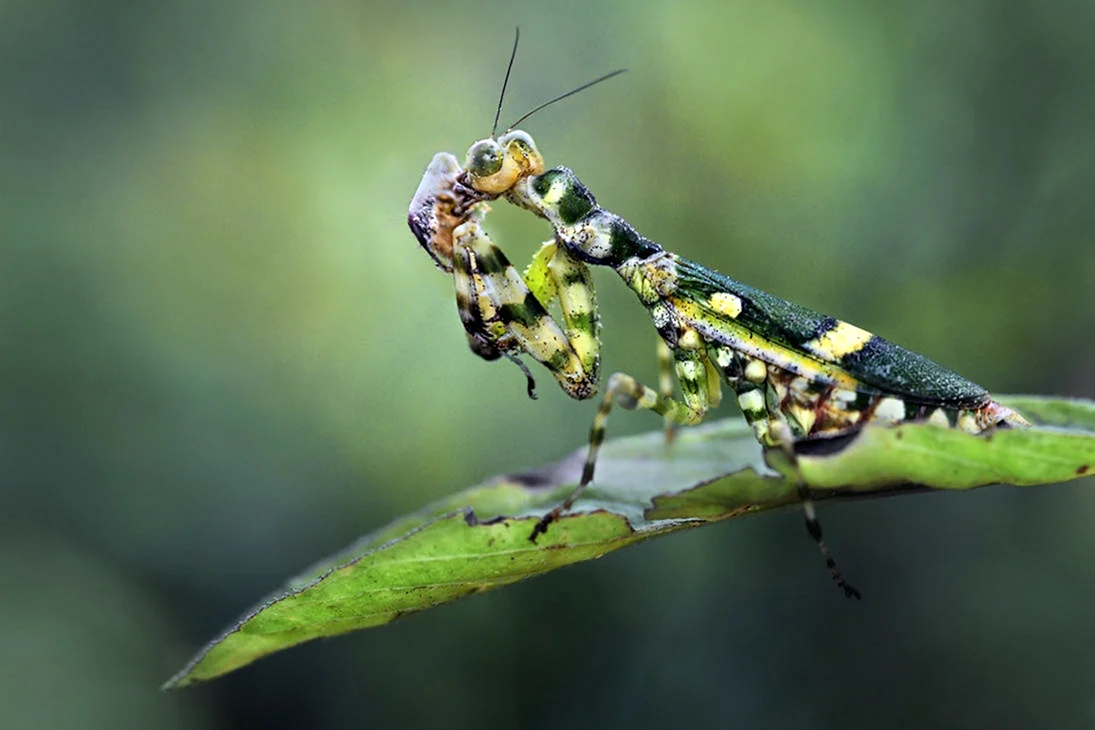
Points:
[[797, 375]]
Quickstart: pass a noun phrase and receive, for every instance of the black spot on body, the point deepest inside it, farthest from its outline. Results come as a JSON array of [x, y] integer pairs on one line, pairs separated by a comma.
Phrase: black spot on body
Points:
[[690, 387], [574, 277], [825, 325], [734, 369], [575, 203], [542, 183], [528, 312], [559, 360], [491, 261], [583, 321], [754, 414], [628, 243]]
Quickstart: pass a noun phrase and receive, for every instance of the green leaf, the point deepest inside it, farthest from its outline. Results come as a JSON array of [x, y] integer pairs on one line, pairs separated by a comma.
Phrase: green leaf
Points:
[[477, 539]]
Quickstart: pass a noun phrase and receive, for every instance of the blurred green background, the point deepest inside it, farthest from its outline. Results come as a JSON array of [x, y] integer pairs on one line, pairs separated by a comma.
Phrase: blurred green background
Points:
[[224, 355]]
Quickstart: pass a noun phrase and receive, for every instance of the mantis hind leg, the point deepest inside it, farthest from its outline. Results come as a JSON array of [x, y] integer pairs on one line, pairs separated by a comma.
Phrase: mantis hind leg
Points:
[[700, 392], [813, 526], [772, 430]]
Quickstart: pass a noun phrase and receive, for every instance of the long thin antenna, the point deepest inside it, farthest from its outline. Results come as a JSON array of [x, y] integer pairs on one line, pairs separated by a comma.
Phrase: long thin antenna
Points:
[[572, 92], [505, 83]]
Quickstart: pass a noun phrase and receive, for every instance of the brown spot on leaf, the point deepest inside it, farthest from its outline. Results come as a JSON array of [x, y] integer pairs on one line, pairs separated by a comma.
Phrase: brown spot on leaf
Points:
[[1082, 469]]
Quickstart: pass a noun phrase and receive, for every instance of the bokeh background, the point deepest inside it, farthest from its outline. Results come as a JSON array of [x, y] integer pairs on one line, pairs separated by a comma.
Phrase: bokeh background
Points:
[[225, 356]]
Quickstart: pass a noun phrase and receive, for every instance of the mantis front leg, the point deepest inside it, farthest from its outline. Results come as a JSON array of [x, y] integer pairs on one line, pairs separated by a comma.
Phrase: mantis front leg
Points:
[[506, 314]]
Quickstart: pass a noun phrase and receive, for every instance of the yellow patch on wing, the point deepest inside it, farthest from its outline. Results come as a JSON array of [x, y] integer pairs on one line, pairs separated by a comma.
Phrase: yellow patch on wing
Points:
[[726, 304], [732, 334], [841, 340]]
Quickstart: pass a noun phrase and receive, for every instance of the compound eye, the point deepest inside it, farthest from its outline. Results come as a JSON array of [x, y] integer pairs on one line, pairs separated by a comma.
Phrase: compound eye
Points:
[[522, 139], [484, 158], [522, 149]]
